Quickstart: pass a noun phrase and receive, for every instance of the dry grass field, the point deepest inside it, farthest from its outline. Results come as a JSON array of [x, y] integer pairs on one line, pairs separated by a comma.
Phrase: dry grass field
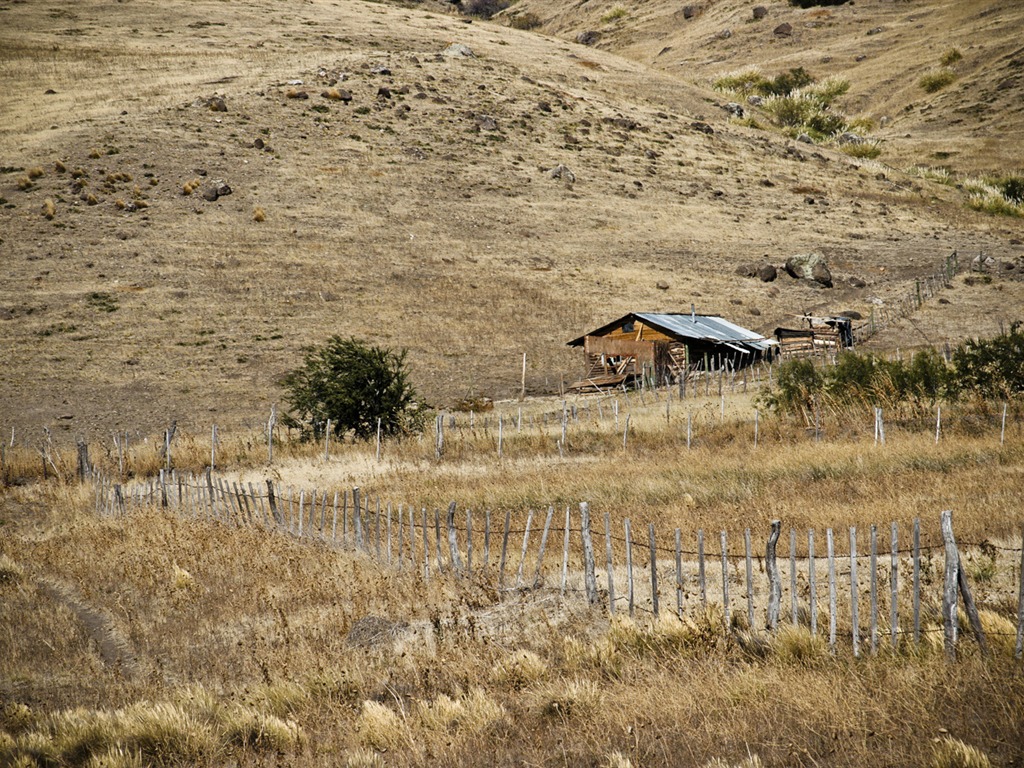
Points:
[[425, 219], [385, 185]]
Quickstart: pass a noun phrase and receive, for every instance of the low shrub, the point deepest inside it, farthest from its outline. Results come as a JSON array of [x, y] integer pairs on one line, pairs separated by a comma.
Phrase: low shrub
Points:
[[932, 82]]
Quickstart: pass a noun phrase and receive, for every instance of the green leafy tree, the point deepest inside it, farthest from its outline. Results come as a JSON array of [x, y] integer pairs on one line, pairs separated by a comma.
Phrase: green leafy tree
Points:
[[353, 384]]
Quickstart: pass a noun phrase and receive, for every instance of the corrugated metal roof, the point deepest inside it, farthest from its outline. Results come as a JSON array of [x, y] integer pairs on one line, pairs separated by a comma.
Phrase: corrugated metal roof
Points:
[[698, 327], [705, 327]]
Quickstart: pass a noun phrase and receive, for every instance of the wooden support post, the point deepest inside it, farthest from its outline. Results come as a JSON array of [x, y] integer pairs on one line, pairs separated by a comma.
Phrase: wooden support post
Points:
[[949, 588], [679, 572], [774, 581], [588, 554], [376, 525], [357, 518], [608, 560], [487, 539], [654, 569]]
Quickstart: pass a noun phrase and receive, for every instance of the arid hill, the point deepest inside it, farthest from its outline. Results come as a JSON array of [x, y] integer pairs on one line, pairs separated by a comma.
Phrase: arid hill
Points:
[[194, 191]]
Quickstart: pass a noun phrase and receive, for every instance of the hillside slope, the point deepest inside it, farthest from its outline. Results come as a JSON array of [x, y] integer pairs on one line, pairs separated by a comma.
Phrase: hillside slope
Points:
[[422, 213]]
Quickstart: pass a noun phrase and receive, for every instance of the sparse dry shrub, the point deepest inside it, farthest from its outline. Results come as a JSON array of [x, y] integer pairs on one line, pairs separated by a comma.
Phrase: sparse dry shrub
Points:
[[470, 713], [119, 203], [79, 173], [154, 181], [362, 758], [35, 173], [380, 727], [258, 730], [281, 698], [932, 82], [10, 573], [600, 655], [1000, 632], [24, 183], [618, 760], [91, 199], [795, 644], [258, 214], [181, 579], [578, 698], [59, 167], [49, 209], [751, 761], [520, 669], [140, 203], [116, 757], [953, 753], [332, 93], [95, 154]]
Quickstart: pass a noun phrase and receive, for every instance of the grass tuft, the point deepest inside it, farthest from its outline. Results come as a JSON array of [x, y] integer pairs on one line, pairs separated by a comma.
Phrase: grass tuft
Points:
[[259, 215], [932, 82], [380, 727], [10, 573], [953, 753]]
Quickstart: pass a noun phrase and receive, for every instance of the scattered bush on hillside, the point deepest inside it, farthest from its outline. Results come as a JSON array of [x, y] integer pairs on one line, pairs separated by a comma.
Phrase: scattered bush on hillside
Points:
[[936, 80], [865, 150], [352, 384], [527, 20], [485, 9], [616, 13], [950, 57], [987, 368]]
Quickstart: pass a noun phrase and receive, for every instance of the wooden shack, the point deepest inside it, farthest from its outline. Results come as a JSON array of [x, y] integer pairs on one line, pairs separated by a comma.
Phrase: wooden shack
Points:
[[815, 336], [664, 347]]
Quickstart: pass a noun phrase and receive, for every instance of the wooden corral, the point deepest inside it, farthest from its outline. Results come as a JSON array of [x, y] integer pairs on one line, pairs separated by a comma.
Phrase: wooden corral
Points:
[[815, 336], [665, 347]]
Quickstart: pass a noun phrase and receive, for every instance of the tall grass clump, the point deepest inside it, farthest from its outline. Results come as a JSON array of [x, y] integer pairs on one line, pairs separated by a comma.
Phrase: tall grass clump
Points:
[[953, 753], [936, 80]]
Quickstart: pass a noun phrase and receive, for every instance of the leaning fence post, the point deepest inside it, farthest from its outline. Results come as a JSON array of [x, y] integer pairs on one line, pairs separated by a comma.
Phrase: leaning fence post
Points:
[[700, 569], [750, 579], [949, 587], [543, 546], [970, 607], [812, 582], [792, 576], [526, 544], [588, 554], [725, 580], [504, 549], [894, 586], [874, 589], [774, 582], [679, 570], [854, 612], [917, 580], [831, 554]]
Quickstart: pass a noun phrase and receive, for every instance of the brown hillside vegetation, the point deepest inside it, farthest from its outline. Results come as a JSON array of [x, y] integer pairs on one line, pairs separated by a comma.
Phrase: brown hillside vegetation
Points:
[[420, 213]]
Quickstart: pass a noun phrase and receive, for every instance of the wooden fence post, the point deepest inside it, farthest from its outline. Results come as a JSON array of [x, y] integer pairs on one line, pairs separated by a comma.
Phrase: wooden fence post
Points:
[[629, 565], [437, 542], [774, 582], [543, 546], [1019, 648], [504, 549], [426, 548], [949, 588], [750, 579], [608, 559], [831, 554], [812, 580], [454, 559], [357, 517], [970, 608], [469, 540], [725, 579], [854, 593], [916, 605], [792, 577], [702, 582], [894, 586], [588, 554], [654, 568], [679, 571], [526, 543], [565, 551]]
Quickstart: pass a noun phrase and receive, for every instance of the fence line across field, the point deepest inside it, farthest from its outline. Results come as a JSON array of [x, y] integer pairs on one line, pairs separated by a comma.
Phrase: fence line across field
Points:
[[639, 573]]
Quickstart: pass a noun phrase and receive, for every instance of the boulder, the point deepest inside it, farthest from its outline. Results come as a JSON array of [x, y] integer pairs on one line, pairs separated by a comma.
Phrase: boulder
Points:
[[588, 38], [784, 29], [767, 273], [486, 123], [804, 138], [562, 172], [747, 270], [754, 100], [689, 11], [809, 266], [733, 109], [459, 50], [702, 127], [661, 285], [760, 12], [857, 282]]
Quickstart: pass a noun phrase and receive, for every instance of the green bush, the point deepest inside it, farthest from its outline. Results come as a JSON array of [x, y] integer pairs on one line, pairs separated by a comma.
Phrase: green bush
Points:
[[991, 367], [352, 384]]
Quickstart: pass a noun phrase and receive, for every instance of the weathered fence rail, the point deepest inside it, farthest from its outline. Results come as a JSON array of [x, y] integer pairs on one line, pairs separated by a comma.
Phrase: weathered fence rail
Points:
[[867, 599]]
